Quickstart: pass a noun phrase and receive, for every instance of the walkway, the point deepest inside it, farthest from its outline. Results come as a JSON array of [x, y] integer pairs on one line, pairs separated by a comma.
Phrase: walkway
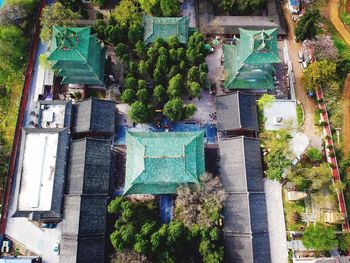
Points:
[[346, 116], [334, 16], [309, 108], [331, 160]]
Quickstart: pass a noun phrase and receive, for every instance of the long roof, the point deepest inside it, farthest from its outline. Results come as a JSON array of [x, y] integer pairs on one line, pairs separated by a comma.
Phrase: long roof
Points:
[[248, 64], [163, 27], [157, 162], [246, 226], [94, 115], [237, 111]]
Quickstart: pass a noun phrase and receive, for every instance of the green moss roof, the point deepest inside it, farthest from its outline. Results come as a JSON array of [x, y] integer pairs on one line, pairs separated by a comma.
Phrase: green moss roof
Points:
[[248, 64], [77, 55], [158, 162], [164, 27]]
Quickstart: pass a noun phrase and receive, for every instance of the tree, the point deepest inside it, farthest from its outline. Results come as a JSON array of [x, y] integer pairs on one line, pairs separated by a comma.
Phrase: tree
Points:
[[189, 110], [16, 12], [127, 13], [142, 95], [306, 27], [135, 34], [173, 42], [325, 48], [200, 204], [320, 177], [128, 96], [242, 6], [319, 73], [141, 112], [159, 93], [265, 101], [100, 2], [194, 88], [169, 7], [121, 49], [131, 83], [314, 155], [141, 49], [175, 86], [141, 84], [151, 7], [56, 14], [142, 68], [133, 69], [193, 74], [319, 237], [173, 109], [12, 49]]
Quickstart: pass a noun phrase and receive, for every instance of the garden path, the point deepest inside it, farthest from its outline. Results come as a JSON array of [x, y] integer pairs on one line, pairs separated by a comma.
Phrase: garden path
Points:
[[334, 16]]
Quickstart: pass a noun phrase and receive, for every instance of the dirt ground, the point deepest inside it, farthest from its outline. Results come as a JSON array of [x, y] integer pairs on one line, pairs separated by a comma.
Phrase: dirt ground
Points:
[[346, 116], [309, 107], [334, 16]]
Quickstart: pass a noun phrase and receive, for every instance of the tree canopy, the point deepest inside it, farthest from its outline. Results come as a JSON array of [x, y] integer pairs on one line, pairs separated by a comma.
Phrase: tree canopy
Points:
[[319, 73], [241, 6], [306, 27], [319, 237]]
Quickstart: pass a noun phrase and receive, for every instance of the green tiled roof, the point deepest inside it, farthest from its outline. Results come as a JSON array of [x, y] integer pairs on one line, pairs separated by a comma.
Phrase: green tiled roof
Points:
[[164, 27], [158, 162], [248, 64], [77, 55]]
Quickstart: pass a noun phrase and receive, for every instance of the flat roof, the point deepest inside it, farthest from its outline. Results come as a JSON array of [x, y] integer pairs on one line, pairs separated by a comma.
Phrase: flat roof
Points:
[[280, 114], [38, 170]]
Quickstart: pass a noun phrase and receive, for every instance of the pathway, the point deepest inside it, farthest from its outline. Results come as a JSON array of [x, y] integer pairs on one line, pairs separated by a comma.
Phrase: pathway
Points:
[[332, 160], [346, 116], [309, 108], [334, 16]]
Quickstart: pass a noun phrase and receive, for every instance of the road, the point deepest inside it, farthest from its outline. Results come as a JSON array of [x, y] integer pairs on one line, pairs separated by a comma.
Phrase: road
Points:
[[346, 116], [309, 107], [334, 16]]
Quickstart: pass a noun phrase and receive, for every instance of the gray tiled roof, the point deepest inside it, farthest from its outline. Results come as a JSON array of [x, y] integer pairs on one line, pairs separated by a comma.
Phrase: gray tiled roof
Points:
[[94, 115], [86, 200], [241, 166], [237, 111], [246, 226]]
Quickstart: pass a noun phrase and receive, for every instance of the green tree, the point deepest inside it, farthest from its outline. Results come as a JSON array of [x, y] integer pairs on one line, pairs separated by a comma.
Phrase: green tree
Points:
[[193, 74], [131, 83], [314, 154], [127, 13], [141, 84], [173, 109], [173, 42], [319, 237], [135, 34], [320, 177], [265, 101], [100, 2], [142, 68], [175, 86], [12, 49], [169, 7], [194, 88], [121, 49], [128, 96], [242, 6], [189, 110], [141, 112], [151, 7], [142, 95], [113, 34], [133, 69], [56, 14], [306, 27], [319, 73], [141, 49], [160, 93]]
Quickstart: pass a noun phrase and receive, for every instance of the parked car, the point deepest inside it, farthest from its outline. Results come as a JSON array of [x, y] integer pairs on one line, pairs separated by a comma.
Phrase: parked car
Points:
[[300, 57], [56, 248], [48, 225], [310, 93]]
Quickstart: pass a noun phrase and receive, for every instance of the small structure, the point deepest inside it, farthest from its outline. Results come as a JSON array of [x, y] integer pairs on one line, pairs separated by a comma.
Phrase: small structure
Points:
[[246, 227], [280, 114], [249, 64], [85, 202], [41, 174], [94, 116], [237, 114], [158, 162], [294, 6], [77, 55], [164, 27]]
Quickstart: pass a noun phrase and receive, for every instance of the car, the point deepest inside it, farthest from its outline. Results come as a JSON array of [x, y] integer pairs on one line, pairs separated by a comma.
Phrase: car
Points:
[[48, 225], [56, 248], [310, 93], [300, 57]]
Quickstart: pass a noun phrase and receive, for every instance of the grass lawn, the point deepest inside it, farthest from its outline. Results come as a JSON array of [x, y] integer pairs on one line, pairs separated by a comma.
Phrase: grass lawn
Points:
[[300, 115]]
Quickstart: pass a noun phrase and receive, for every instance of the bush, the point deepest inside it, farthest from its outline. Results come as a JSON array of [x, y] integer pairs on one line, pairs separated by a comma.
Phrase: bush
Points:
[[314, 155], [319, 237]]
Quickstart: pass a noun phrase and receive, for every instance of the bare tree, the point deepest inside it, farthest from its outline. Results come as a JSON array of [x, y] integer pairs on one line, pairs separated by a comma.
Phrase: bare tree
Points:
[[200, 204], [325, 48]]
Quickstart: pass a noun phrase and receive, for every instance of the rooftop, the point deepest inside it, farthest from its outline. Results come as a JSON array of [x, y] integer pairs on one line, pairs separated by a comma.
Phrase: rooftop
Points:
[[41, 171], [157, 162], [237, 111], [280, 114], [164, 27]]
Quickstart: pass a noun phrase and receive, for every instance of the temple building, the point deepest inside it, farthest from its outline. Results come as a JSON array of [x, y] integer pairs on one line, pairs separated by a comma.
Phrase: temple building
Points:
[[164, 27], [158, 162], [77, 55], [249, 64]]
